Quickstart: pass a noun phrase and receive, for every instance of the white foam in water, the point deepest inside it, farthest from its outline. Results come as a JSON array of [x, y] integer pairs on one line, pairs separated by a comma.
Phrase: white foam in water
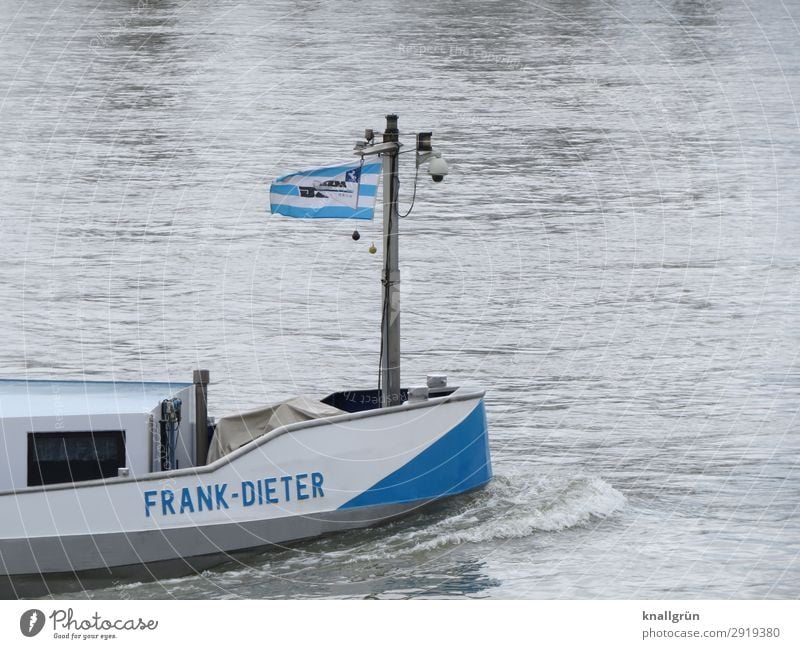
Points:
[[508, 508], [547, 506]]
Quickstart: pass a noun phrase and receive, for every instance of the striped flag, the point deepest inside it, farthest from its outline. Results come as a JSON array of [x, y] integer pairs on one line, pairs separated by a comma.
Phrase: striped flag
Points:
[[345, 191]]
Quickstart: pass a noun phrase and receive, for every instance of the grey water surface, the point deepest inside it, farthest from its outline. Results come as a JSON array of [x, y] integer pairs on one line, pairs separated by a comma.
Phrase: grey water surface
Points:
[[614, 257]]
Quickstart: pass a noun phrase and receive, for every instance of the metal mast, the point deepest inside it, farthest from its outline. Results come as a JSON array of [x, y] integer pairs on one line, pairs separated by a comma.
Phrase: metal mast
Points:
[[389, 149], [390, 328]]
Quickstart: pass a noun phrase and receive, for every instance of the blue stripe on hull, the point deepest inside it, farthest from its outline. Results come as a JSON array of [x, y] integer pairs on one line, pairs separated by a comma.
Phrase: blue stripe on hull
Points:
[[457, 462]]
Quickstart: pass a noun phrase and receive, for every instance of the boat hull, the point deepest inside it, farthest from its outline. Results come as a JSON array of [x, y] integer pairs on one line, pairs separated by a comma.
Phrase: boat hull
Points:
[[295, 483]]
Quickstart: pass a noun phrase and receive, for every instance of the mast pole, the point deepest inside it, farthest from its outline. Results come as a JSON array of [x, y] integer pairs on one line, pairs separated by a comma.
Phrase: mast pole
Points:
[[390, 331], [200, 379]]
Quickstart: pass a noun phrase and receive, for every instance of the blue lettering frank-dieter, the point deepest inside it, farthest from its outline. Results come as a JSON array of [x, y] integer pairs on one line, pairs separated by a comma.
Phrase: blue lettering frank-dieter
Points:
[[250, 493]]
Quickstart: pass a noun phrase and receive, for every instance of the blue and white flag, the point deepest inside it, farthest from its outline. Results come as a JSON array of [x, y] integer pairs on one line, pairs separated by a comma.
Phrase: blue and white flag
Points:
[[345, 191]]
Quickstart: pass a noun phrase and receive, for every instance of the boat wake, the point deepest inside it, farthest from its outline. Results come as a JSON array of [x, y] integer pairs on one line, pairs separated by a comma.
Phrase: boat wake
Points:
[[508, 510], [511, 507]]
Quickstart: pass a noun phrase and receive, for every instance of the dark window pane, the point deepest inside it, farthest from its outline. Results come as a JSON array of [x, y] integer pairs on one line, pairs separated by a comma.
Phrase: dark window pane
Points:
[[74, 456]]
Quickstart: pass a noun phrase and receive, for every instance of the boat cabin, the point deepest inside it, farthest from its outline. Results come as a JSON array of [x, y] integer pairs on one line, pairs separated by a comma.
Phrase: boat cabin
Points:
[[73, 431]]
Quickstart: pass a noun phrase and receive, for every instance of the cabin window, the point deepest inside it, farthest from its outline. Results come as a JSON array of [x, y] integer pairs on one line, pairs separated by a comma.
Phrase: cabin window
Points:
[[74, 456]]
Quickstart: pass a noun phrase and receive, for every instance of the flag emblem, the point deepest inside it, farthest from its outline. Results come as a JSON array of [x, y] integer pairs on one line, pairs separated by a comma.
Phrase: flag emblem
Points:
[[344, 191]]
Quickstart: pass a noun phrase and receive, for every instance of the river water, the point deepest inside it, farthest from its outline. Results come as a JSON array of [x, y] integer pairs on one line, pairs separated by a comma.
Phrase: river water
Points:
[[614, 257]]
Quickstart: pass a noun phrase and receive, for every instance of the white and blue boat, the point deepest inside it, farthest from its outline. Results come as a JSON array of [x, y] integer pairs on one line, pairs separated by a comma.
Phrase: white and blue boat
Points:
[[105, 479]]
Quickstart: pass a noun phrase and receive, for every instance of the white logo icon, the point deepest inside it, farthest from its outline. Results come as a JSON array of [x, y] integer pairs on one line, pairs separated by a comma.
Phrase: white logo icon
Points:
[[31, 622]]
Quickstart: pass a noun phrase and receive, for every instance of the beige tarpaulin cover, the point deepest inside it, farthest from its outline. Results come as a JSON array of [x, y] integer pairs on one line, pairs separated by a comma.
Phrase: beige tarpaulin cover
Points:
[[236, 430]]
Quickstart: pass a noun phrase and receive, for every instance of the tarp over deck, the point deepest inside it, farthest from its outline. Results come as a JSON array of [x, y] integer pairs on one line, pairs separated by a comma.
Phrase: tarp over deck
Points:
[[236, 430]]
